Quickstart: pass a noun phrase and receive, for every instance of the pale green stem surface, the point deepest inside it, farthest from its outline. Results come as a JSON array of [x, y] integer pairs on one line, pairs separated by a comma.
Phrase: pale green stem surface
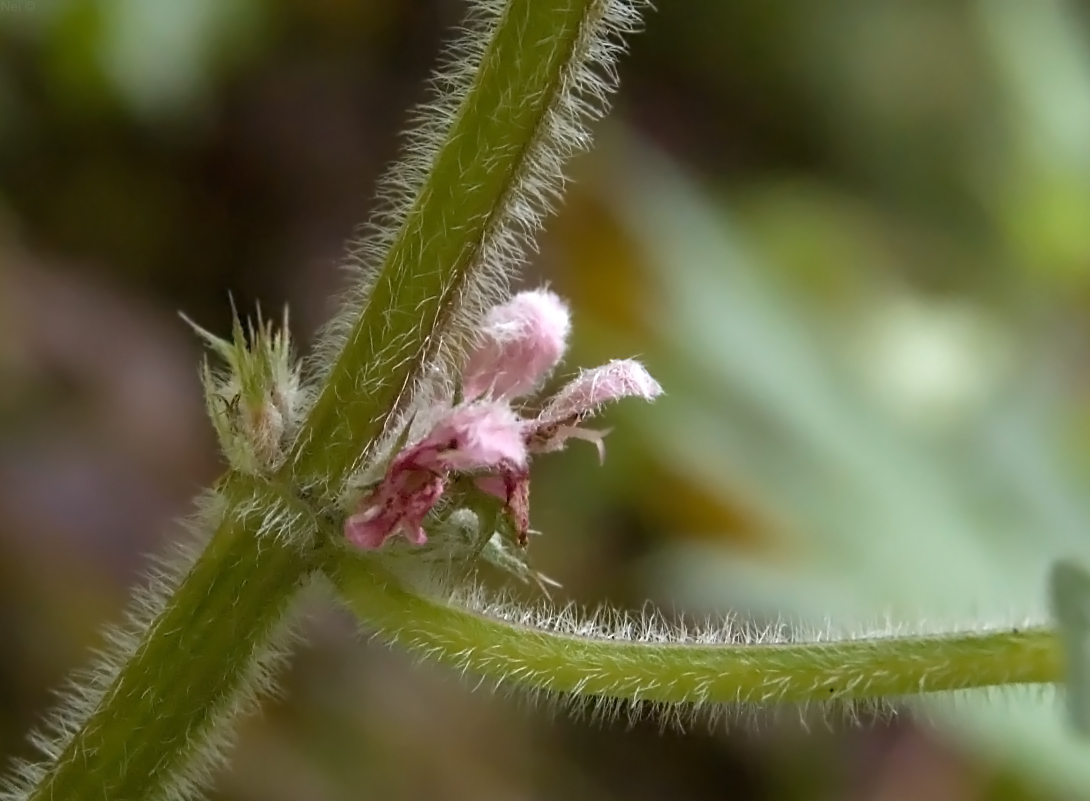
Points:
[[477, 168], [861, 669]]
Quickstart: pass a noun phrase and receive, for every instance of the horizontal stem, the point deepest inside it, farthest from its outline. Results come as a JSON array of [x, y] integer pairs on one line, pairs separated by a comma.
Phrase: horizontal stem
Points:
[[676, 672]]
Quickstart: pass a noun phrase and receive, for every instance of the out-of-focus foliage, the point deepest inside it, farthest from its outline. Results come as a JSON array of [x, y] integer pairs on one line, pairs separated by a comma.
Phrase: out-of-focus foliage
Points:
[[852, 240], [933, 521], [1069, 588]]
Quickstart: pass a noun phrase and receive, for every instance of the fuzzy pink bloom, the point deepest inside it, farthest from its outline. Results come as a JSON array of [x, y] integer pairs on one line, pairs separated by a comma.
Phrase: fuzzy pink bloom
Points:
[[476, 436], [473, 436], [582, 397], [560, 421], [399, 505], [521, 341], [588, 391]]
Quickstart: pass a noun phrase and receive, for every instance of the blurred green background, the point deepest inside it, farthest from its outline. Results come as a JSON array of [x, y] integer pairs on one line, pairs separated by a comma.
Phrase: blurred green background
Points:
[[851, 238]]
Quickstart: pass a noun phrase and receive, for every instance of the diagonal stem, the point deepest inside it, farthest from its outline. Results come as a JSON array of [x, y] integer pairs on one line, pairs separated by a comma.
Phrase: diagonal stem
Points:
[[456, 232], [204, 655]]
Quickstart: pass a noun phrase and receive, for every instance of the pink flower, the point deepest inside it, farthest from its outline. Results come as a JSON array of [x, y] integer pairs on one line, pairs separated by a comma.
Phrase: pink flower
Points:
[[560, 421], [582, 397], [473, 436], [400, 504], [521, 341]]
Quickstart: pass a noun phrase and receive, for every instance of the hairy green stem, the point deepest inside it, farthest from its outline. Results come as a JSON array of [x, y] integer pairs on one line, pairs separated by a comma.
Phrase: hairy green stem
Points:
[[152, 720], [196, 659], [692, 673], [445, 234]]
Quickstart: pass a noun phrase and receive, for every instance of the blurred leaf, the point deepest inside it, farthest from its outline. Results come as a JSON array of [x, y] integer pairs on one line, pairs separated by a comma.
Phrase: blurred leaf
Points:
[[1043, 60], [160, 54], [1070, 589], [156, 56], [921, 532]]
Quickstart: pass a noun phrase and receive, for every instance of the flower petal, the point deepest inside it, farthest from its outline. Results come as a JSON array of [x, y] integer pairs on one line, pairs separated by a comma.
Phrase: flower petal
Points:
[[512, 486], [366, 531], [587, 392], [476, 436], [521, 341], [399, 505]]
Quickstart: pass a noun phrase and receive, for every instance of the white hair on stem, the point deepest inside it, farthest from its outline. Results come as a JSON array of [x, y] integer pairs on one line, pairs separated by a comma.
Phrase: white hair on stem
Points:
[[86, 688], [608, 664], [580, 97], [651, 625], [575, 96]]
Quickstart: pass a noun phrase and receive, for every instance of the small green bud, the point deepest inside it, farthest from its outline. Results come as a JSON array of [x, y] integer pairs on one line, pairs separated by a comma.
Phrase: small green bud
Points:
[[256, 399]]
